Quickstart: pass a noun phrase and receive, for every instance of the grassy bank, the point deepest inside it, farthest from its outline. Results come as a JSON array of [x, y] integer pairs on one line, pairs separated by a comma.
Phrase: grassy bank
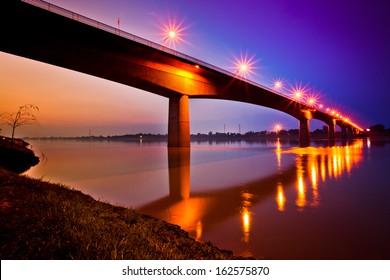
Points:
[[40, 220]]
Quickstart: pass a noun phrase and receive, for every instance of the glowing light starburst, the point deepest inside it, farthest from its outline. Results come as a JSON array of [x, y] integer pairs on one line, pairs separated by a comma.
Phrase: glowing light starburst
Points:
[[245, 65], [313, 100], [173, 32], [278, 84], [298, 91], [277, 127]]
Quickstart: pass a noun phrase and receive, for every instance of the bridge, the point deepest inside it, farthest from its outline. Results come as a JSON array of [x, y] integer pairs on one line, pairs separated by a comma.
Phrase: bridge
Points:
[[60, 37]]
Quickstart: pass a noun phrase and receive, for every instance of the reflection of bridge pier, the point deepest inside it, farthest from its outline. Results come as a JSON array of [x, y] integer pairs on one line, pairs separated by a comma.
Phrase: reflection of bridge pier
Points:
[[179, 160]]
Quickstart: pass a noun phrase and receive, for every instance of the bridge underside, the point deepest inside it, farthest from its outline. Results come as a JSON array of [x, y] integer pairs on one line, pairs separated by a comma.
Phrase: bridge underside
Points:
[[70, 44]]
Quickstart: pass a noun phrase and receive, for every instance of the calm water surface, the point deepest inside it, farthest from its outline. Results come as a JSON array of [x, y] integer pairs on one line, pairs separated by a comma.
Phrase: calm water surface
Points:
[[267, 199]]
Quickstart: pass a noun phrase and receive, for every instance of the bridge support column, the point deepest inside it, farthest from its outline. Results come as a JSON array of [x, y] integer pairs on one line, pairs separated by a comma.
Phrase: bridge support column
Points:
[[344, 135], [179, 122], [332, 132], [350, 133], [304, 133]]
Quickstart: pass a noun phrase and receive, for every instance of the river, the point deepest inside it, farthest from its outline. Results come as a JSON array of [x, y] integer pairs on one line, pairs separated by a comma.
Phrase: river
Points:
[[268, 199]]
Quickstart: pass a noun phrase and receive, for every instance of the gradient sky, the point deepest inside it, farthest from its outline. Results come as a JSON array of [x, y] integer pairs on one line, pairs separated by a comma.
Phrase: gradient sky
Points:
[[339, 49]]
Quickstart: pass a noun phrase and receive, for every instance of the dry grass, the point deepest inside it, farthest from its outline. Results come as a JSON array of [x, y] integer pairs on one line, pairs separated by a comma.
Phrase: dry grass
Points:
[[40, 220]]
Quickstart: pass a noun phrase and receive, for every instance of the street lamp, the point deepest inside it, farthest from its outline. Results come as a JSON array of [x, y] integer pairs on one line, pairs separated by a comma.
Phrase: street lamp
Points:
[[172, 32], [244, 65]]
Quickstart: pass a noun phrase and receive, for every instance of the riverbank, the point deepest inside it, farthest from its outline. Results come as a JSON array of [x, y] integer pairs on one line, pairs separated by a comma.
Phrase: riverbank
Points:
[[16, 156], [41, 220]]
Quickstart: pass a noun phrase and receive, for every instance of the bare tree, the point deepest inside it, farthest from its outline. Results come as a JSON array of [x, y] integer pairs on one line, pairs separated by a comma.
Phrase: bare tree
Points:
[[24, 116]]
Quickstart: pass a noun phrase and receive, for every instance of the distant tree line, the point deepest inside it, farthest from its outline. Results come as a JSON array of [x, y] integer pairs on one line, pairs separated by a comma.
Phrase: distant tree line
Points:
[[378, 129]]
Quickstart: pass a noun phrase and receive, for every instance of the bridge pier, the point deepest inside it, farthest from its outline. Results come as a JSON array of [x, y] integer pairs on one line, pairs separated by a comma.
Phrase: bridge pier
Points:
[[179, 122], [304, 133], [344, 136], [350, 132], [332, 132], [355, 132]]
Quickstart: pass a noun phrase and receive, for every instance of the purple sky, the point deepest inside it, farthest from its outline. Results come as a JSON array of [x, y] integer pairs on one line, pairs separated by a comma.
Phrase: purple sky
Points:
[[340, 49]]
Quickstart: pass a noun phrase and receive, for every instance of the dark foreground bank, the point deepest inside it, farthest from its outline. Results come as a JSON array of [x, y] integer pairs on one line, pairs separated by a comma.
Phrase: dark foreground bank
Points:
[[41, 220], [16, 156]]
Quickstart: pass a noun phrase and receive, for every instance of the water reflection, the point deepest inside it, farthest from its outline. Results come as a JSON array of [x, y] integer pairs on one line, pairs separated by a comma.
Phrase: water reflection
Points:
[[179, 172], [330, 162], [278, 153], [200, 211], [301, 189], [246, 215], [261, 199], [280, 197]]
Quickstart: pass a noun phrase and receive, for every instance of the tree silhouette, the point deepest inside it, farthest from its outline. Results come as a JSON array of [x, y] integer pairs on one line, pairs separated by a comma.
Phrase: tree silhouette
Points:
[[377, 128], [24, 116]]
